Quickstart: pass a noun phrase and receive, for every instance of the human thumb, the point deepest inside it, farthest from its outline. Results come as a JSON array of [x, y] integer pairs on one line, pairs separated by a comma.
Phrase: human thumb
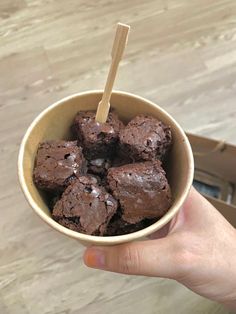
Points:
[[148, 258]]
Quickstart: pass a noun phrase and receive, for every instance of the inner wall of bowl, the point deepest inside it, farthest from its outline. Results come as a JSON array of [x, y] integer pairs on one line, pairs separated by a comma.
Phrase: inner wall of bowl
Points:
[[55, 124]]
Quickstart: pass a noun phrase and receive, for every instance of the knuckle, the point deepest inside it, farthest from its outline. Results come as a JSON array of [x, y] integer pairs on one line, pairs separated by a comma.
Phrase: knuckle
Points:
[[128, 260], [185, 257], [186, 261]]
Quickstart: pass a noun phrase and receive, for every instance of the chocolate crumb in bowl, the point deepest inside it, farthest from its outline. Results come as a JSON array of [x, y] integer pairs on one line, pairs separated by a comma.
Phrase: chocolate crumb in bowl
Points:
[[57, 163], [98, 140], [145, 138], [121, 159], [85, 207], [52, 198], [99, 166], [118, 226], [141, 189]]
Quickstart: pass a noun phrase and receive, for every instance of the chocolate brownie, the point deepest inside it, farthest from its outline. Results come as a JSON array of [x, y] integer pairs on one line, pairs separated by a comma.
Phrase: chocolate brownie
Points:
[[142, 190], [98, 140], [145, 138], [118, 226], [85, 207], [57, 163]]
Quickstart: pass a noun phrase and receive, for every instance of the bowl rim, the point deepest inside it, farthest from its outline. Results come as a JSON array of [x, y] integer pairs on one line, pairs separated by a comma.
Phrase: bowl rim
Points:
[[112, 240]]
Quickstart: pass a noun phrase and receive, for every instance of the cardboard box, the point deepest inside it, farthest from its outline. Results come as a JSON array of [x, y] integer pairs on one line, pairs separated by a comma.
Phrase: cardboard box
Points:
[[215, 173]]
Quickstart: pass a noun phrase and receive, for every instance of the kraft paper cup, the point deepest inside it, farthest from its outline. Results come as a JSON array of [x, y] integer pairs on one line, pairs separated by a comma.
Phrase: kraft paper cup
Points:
[[54, 123]]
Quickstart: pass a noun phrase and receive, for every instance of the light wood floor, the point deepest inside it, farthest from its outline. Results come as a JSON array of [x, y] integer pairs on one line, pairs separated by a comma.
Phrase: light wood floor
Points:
[[181, 54]]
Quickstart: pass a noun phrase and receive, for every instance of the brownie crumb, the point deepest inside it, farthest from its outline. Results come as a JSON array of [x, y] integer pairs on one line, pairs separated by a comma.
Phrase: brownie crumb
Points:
[[99, 166], [118, 226]]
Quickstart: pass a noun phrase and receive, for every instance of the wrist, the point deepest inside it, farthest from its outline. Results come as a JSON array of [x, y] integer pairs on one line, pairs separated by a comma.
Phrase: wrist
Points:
[[231, 305], [230, 300]]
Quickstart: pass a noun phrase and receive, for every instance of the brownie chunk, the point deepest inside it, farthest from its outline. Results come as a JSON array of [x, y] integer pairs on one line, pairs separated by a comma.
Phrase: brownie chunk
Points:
[[85, 207], [145, 138], [57, 163], [118, 226], [98, 140], [142, 190]]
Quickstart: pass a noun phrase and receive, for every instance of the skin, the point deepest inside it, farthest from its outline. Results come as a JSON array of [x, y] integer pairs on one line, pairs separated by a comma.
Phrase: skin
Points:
[[198, 249]]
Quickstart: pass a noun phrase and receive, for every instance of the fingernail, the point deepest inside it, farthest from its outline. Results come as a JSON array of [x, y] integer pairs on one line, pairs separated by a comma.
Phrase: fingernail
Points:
[[94, 258]]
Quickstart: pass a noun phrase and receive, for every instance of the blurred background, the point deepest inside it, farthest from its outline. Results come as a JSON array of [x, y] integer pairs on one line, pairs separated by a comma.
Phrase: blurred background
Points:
[[181, 54]]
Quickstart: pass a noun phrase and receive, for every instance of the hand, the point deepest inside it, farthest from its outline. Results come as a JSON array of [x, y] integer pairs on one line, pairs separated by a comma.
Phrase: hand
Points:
[[198, 249]]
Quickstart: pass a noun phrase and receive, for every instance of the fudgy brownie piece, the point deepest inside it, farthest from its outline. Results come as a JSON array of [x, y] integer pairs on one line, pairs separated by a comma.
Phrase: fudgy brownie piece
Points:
[[118, 226], [142, 190], [85, 207], [145, 138], [57, 163], [98, 140]]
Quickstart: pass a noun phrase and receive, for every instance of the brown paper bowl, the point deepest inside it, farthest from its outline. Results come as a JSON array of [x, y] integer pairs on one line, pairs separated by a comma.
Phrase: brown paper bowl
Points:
[[54, 123]]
